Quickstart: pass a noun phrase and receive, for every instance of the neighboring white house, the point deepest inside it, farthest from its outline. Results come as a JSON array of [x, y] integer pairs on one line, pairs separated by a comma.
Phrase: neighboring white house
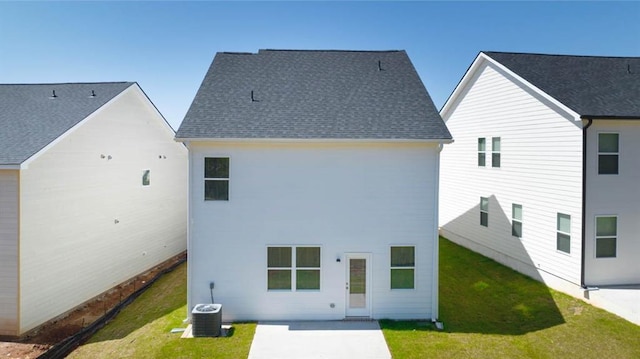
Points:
[[313, 186], [544, 175], [93, 191]]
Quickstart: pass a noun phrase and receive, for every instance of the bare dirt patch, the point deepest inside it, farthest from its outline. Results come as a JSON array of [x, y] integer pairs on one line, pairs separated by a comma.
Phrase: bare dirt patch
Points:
[[37, 342]]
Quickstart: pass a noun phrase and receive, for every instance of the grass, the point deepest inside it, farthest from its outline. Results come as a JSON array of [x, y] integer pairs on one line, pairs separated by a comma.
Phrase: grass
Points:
[[142, 330], [490, 311]]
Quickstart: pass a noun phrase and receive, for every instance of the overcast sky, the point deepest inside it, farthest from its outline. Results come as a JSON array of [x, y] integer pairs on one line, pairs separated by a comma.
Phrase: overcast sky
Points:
[[168, 46]]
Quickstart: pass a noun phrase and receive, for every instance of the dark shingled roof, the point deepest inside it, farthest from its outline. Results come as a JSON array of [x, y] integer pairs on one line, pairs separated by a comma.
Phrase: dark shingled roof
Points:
[[591, 86], [302, 94], [30, 119]]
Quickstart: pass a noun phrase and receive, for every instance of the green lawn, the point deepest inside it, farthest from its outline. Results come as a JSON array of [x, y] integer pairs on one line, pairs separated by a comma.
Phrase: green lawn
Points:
[[142, 330], [490, 311]]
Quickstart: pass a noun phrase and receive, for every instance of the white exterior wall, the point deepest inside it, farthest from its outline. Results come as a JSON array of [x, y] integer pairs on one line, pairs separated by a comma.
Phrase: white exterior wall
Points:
[[87, 223], [614, 195], [541, 169], [9, 294], [345, 198]]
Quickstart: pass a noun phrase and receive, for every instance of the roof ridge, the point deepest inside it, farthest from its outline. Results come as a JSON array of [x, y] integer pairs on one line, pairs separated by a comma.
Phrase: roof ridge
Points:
[[70, 83], [559, 55], [326, 50]]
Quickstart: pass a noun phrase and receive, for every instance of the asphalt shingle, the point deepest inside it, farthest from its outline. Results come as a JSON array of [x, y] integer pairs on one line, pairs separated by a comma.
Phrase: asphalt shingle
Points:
[[31, 118], [304, 94], [592, 86]]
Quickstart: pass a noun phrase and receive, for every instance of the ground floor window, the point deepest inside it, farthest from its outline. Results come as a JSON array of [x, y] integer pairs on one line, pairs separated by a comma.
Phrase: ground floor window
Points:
[[563, 235], [516, 220], [606, 236], [289, 265], [403, 266], [484, 211]]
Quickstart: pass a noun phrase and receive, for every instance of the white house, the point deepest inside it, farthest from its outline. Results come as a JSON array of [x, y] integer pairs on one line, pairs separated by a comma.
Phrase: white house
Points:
[[92, 192], [313, 186], [545, 170]]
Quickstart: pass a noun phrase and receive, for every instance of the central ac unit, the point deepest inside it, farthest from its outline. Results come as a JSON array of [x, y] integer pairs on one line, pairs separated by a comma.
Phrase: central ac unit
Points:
[[206, 320]]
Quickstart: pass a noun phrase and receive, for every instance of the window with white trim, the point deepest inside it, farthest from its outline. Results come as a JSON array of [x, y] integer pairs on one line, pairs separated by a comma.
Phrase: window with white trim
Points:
[[606, 236], [516, 220], [287, 265], [482, 152], [563, 233], [403, 267], [484, 211], [608, 153], [216, 179], [495, 152]]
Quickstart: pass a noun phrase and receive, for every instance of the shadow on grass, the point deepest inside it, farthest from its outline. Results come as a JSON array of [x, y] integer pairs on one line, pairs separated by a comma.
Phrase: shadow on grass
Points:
[[479, 295]]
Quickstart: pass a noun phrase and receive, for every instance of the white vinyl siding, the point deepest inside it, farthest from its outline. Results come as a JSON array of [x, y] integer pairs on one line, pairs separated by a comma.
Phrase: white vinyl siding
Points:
[[542, 172], [87, 224], [344, 197], [614, 195], [9, 216]]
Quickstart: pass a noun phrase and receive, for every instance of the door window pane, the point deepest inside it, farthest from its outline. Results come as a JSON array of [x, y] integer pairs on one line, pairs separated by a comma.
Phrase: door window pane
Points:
[[357, 283]]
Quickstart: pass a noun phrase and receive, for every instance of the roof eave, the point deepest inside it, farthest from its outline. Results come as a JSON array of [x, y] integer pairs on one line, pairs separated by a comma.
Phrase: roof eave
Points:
[[609, 117], [315, 140]]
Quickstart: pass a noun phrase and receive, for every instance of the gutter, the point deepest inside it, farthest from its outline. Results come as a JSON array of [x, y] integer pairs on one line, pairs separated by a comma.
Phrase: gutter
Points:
[[584, 201]]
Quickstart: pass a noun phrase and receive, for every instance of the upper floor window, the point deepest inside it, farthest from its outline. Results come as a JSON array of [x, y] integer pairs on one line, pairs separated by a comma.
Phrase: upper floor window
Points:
[[216, 178], [482, 152], [495, 152], [403, 265], [484, 211], [606, 236], [608, 153], [516, 220], [563, 235]]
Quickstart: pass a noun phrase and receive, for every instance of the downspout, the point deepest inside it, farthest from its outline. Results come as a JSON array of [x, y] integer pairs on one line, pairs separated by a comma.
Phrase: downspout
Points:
[[584, 201], [189, 231], [436, 239]]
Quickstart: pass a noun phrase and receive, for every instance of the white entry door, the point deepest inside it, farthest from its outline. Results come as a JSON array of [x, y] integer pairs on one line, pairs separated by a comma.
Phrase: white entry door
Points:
[[358, 285]]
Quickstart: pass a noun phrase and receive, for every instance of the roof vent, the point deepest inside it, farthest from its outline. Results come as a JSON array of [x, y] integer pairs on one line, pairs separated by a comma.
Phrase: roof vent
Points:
[[629, 68], [53, 95], [93, 94], [380, 66], [252, 98]]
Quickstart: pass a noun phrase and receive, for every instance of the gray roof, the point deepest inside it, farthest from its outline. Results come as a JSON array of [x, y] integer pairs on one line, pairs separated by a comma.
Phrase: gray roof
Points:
[[30, 118], [591, 86], [304, 94]]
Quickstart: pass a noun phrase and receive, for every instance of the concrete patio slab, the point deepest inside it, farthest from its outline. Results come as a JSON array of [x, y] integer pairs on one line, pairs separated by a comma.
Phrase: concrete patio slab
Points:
[[621, 300], [319, 340]]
